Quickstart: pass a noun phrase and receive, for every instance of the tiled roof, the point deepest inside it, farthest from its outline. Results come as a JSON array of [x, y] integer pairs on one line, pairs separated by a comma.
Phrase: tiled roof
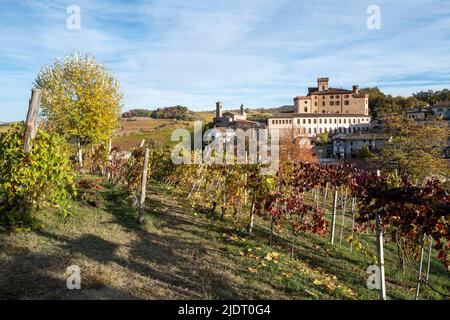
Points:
[[302, 98], [331, 91], [363, 136]]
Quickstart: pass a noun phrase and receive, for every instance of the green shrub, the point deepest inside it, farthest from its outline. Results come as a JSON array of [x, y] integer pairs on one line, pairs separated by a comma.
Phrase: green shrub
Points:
[[44, 177], [365, 153]]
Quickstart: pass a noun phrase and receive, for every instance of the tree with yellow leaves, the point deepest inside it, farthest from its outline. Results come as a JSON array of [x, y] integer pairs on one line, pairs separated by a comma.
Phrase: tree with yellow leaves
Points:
[[81, 100]]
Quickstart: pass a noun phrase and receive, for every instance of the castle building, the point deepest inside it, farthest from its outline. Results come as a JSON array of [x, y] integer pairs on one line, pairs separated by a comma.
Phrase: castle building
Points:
[[326, 110]]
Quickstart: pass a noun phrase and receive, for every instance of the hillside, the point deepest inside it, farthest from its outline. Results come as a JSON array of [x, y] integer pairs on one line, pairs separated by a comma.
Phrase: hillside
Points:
[[180, 253], [133, 130]]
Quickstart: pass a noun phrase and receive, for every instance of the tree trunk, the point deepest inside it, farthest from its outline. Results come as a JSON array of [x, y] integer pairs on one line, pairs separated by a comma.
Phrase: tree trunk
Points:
[[80, 154]]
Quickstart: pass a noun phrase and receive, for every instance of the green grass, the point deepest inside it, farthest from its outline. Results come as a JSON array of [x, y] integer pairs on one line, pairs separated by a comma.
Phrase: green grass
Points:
[[183, 253]]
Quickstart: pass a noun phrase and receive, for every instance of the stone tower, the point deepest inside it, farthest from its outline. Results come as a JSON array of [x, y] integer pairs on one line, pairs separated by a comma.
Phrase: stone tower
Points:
[[322, 84], [242, 110], [219, 109]]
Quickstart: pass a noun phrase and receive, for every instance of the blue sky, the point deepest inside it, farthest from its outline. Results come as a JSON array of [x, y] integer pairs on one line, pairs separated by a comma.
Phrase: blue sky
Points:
[[256, 52]]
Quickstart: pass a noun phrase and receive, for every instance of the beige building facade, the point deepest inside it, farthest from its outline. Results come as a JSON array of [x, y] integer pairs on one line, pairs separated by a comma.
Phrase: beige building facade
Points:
[[325, 109]]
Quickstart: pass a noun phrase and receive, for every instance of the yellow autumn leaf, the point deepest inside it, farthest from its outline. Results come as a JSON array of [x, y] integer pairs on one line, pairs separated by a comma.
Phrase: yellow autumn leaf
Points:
[[317, 282]]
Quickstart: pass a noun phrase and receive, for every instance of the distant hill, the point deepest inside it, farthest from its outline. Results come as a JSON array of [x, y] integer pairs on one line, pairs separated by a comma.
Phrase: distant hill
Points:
[[175, 112], [282, 109]]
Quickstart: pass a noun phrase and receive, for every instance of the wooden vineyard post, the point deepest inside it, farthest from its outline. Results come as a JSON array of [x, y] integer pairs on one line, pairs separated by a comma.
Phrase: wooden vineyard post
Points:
[[353, 221], [430, 245], [143, 186], [325, 195], [252, 215], [344, 207], [380, 251], [419, 276], [333, 218], [31, 123]]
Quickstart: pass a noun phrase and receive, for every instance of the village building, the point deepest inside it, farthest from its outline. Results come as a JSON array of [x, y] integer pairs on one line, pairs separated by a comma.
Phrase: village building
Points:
[[442, 110], [233, 120], [439, 110], [350, 145], [419, 113], [326, 110]]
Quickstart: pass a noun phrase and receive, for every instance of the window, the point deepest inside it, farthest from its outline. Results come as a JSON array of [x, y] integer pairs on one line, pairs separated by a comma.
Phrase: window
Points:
[[325, 121], [309, 120], [331, 97], [339, 120], [290, 121], [315, 103], [320, 130], [298, 121], [309, 130], [346, 96], [306, 109], [315, 120], [331, 103], [304, 121], [335, 121], [346, 102], [306, 102], [315, 130], [338, 103], [320, 121], [345, 120], [323, 103]]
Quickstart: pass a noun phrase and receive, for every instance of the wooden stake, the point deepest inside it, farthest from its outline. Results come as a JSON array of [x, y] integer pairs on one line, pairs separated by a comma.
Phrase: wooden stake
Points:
[[353, 220], [143, 186], [32, 115], [333, 220], [325, 195], [344, 206], [419, 276], [430, 244], [380, 249]]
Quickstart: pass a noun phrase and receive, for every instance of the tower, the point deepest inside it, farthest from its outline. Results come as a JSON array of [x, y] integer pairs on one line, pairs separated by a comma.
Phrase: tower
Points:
[[322, 84], [242, 110], [219, 108]]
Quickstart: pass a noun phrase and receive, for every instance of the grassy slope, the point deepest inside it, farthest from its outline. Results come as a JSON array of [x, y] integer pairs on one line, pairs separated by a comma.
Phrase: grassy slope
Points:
[[180, 253]]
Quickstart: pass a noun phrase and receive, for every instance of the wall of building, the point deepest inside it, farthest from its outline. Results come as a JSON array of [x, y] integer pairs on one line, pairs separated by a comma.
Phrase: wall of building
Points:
[[321, 124]]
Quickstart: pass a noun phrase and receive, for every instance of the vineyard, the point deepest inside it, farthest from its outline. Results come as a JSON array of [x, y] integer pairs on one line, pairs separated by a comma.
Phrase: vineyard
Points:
[[308, 232], [336, 203]]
